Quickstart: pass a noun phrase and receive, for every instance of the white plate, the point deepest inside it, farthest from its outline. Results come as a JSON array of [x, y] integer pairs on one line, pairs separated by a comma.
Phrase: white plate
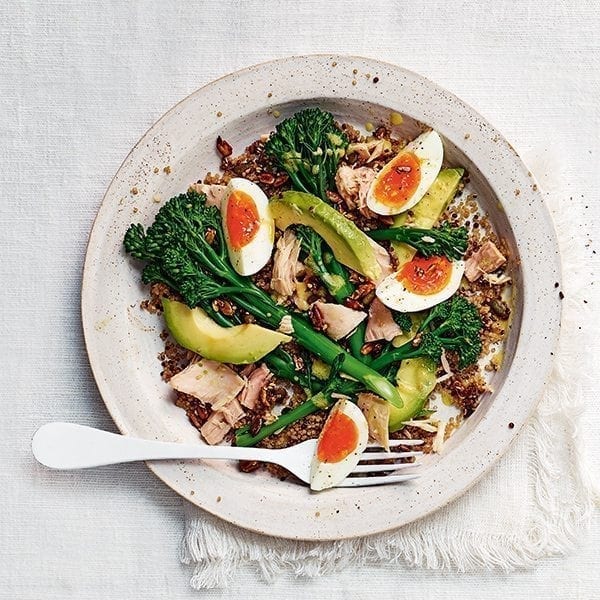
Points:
[[122, 341]]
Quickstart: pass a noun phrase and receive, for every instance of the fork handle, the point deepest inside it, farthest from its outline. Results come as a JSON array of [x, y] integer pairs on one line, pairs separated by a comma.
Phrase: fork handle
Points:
[[71, 446]]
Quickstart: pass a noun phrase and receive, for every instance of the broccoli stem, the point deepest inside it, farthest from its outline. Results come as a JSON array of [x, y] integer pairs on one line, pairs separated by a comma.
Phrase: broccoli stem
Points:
[[281, 364], [446, 240], [345, 288], [217, 317], [297, 184], [356, 342], [336, 284], [324, 265], [387, 358], [317, 402]]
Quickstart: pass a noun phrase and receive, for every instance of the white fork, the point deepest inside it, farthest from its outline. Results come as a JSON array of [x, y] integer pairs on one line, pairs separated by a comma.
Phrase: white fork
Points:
[[71, 446]]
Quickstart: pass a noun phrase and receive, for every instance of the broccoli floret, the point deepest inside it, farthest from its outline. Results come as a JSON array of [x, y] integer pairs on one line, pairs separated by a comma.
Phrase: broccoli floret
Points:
[[452, 325], [403, 321], [308, 146]]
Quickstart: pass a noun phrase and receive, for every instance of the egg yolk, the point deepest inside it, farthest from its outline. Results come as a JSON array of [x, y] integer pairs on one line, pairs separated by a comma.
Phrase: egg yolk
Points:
[[338, 438], [243, 221], [426, 276], [399, 181]]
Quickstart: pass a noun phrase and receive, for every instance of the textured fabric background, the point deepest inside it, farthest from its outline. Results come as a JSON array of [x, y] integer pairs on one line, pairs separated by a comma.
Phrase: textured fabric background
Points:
[[79, 83]]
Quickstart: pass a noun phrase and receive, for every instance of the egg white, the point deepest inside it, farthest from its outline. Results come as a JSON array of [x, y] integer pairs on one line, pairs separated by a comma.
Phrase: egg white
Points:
[[428, 148], [325, 475], [395, 296], [256, 253]]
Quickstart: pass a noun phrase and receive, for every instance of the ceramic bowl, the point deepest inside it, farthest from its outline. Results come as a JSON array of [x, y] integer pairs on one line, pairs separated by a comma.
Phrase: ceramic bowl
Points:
[[123, 341]]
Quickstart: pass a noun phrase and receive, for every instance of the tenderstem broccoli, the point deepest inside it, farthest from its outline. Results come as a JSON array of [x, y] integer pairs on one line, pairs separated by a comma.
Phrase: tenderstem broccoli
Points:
[[335, 277], [282, 365], [403, 321], [322, 262], [446, 240], [308, 146], [185, 249], [319, 401], [453, 325]]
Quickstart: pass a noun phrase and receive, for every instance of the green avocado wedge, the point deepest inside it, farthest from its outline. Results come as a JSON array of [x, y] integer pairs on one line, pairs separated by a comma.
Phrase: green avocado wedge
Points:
[[348, 243], [415, 380], [193, 329]]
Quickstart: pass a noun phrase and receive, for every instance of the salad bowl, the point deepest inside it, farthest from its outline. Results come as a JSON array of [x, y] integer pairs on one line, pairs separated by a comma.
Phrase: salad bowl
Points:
[[123, 342]]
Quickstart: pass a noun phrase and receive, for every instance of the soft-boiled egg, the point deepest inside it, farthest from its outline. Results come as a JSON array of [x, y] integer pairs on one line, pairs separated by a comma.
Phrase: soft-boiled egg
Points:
[[248, 226], [421, 283], [407, 177], [343, 439]]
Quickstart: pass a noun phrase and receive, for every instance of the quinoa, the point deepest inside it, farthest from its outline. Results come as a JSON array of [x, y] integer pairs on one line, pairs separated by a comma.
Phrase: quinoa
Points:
[[174, 359], [466, 387], [158, 291], [253, 164], [197, 412]]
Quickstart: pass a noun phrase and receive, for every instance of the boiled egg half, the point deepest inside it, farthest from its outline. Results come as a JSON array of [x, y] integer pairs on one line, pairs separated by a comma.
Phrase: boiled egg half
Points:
[[421, 283], [248, 226], [343, 439], [407, 177]]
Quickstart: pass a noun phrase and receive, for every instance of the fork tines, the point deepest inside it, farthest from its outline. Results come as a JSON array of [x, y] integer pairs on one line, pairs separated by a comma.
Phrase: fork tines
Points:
[[394, 443], [375, 453], [365, 481], [389, 455], [382, 467]]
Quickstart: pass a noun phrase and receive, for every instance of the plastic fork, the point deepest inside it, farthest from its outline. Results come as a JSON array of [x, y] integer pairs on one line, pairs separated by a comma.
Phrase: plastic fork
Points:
[[71, 446]]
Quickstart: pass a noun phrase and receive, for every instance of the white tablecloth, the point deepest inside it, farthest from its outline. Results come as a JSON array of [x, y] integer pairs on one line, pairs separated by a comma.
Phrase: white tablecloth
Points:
[[79, 83]]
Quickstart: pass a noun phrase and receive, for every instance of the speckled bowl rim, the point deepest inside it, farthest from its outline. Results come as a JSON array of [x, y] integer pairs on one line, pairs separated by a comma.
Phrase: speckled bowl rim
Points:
[[289, 511]]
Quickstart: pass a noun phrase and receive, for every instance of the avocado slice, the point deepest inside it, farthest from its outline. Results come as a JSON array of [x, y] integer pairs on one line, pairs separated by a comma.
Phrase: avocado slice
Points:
[[415, 380], [348, 243], [193, 329], [429, 209]]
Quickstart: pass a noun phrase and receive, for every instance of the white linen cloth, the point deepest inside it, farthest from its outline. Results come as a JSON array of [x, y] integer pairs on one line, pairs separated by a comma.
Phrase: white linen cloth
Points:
[[80, 81], [535, 502]]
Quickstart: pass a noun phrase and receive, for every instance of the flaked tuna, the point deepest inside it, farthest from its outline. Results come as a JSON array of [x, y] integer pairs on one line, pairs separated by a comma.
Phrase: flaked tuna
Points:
[[215, 428], [353, 186], [257, 380], [338, 320], [209, 381], [486, 260], [215, 193], [286, 265], [381, 324]]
